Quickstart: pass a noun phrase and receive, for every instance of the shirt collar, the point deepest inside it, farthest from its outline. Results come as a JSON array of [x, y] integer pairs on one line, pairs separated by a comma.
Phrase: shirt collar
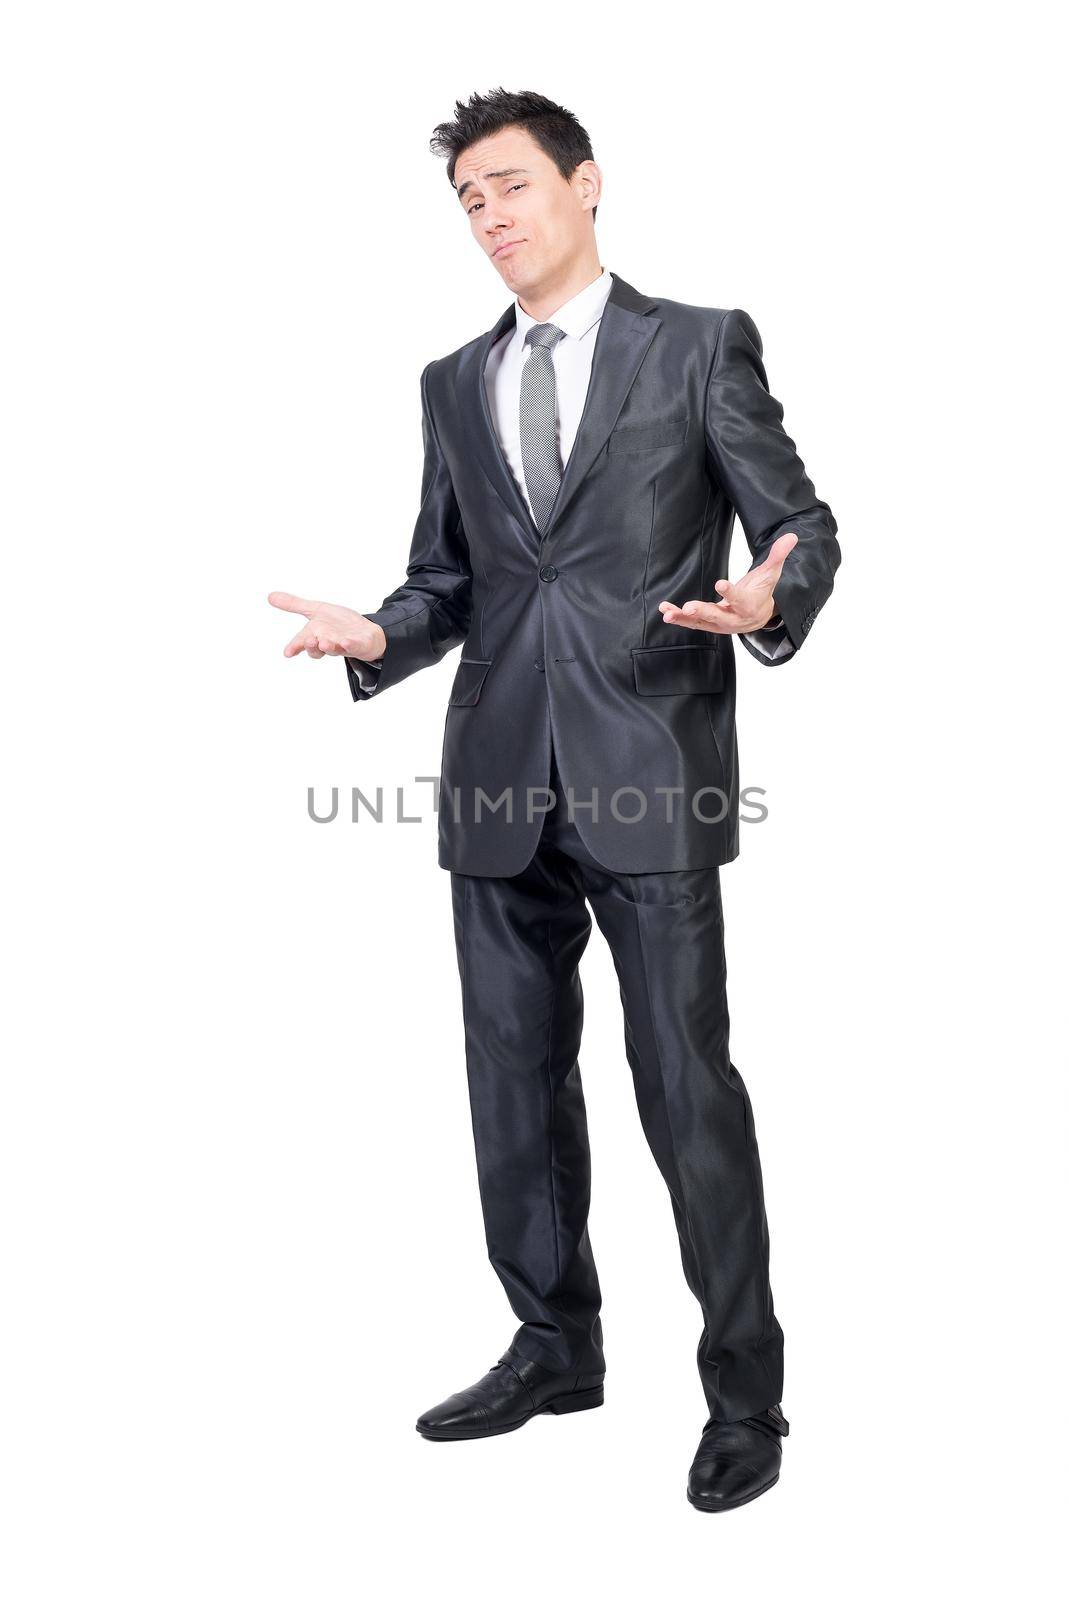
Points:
[[576, 316]]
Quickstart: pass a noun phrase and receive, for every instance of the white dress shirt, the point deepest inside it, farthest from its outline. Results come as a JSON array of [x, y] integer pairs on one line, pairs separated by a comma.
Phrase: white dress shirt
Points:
[[572, 359]]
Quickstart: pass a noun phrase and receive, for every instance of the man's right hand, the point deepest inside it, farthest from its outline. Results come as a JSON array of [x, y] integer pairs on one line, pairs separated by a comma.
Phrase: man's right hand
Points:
[[330, 630]]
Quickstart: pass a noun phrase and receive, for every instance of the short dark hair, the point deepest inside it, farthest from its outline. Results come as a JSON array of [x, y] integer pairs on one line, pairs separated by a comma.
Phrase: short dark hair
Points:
[[557, 130]]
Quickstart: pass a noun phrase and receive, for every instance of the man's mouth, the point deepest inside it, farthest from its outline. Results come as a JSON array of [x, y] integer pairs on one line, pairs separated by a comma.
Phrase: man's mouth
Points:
[[502, 248]]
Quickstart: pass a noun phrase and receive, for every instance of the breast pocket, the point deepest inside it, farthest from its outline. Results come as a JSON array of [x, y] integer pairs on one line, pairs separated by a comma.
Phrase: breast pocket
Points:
[[648, 435]]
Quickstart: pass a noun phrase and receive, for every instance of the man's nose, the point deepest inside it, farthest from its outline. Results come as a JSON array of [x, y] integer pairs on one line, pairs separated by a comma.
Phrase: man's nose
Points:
[[496, 221]]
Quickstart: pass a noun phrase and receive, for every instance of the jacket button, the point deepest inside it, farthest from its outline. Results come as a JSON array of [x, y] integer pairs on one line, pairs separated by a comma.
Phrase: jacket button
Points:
[[539, 665], [547, 574]]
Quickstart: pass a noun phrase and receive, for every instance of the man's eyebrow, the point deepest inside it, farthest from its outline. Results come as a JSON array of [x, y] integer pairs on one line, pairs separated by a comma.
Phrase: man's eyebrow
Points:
[[505, 172]]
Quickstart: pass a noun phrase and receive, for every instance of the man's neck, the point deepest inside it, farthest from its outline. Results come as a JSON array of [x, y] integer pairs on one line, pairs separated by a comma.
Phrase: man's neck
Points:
[[542, 301]]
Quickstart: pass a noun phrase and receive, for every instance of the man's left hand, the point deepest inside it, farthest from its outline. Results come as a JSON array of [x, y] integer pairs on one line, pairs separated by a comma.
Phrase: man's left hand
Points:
[[743, 607]]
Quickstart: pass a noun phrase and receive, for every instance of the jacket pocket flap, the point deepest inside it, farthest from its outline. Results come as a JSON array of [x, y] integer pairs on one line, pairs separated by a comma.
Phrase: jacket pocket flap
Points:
[[678, 669], [649, 435], [467, 684]]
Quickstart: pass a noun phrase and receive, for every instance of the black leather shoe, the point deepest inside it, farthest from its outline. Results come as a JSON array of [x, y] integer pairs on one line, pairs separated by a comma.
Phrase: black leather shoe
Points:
[[736, 1461], [513, 1390]]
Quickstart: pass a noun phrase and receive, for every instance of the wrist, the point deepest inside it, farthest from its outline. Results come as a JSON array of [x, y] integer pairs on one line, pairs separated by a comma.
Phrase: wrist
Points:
[[771, 620]]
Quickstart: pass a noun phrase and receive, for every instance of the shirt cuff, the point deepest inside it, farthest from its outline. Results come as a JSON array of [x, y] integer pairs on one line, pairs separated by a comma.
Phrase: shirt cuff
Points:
[[367, 672], [779, 643]]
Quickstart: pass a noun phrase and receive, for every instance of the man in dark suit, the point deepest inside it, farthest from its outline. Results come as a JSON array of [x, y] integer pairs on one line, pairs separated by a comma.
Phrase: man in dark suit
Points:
[[584, 462]]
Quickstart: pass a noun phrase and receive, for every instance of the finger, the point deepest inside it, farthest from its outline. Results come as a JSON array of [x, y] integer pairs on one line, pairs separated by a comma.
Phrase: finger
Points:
[[724, 589], [668, 608], [703, 610], [330, 647], [779, 551], [296, 644], [291, 602], [313, 650], [726, 622], [674, 613], [709, 619]]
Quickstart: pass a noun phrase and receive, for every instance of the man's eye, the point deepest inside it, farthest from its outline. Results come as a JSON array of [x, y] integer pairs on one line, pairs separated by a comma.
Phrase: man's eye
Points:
[[473, 208]]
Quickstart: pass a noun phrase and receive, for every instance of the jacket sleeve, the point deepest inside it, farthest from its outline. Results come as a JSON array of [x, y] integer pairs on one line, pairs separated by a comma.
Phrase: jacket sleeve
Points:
[[430, 611], [755, 462]]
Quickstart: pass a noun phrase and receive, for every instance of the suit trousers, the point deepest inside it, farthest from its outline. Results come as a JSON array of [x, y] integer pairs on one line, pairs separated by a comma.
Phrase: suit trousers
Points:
[[518, 941]]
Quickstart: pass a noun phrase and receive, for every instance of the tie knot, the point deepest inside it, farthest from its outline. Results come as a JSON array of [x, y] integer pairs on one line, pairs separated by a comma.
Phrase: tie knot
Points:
[[544, 335]]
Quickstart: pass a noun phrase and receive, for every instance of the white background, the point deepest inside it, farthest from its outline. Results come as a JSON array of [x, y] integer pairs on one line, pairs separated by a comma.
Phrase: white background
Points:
[[242, 1244]]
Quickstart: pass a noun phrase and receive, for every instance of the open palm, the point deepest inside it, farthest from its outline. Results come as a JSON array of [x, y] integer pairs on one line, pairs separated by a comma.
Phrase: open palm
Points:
[[743, 607], [330, 630]]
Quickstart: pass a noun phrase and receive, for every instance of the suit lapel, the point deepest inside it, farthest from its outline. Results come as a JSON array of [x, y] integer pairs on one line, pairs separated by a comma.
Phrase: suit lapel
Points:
[[625, 333], [484, 434]]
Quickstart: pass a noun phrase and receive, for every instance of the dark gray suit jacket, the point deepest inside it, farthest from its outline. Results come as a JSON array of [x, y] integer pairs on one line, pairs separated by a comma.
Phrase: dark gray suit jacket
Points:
[[560, 629]]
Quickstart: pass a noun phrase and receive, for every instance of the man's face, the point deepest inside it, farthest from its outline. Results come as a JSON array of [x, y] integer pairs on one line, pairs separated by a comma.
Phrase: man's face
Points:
[[529, 219]]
